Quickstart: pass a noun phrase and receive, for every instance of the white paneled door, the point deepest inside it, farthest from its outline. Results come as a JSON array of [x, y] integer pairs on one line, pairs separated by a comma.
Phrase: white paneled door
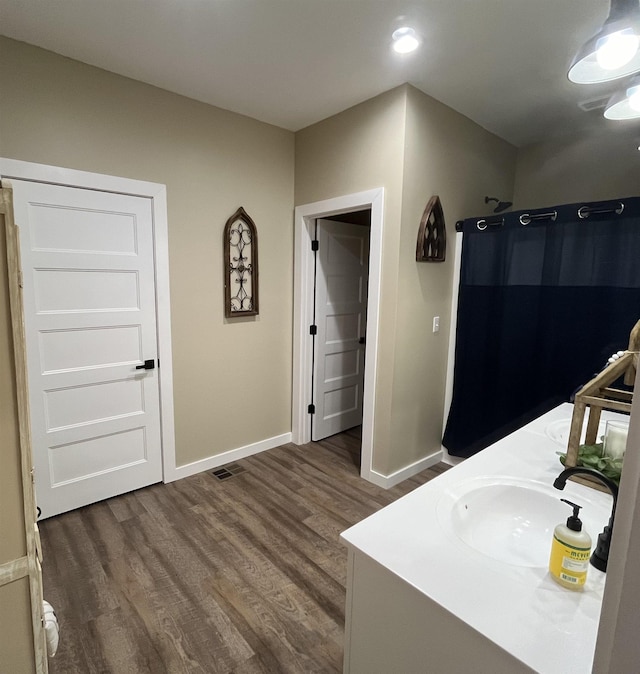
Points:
[[342, 272], [90, 318]]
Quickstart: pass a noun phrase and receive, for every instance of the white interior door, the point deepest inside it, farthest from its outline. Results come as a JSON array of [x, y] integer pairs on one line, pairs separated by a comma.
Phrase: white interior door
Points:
[[342, 273], [90, 319]]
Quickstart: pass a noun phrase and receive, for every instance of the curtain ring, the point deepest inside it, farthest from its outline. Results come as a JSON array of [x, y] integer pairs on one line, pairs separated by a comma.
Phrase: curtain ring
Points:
[[481, 225], [585, 211], [525, 219]]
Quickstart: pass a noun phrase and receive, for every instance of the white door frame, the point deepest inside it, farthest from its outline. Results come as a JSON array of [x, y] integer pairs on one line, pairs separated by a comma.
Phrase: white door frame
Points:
[[157, 193], [305, 216]]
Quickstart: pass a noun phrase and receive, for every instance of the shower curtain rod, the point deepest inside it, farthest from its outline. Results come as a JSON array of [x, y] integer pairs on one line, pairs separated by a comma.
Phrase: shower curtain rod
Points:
[[582, 211]]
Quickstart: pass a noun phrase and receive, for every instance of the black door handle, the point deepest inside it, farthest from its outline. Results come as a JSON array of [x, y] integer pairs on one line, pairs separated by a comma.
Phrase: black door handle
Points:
[[147, 365], [362, 340]]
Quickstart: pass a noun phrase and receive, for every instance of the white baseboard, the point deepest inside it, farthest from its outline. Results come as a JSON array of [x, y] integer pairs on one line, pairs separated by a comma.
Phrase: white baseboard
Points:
[[227, 457], [388, 481], [451, 460]]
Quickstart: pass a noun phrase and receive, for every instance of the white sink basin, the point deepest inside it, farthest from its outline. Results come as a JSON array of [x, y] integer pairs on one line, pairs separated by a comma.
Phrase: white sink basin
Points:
[[511, 520], [559, 430]]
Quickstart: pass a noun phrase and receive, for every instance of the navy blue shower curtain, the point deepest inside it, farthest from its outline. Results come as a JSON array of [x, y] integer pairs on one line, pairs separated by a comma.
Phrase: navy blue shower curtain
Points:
[[541, 307]]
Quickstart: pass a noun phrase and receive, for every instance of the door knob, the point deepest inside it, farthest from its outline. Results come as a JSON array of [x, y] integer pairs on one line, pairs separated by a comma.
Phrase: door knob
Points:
[[147, 365], [362, 340]]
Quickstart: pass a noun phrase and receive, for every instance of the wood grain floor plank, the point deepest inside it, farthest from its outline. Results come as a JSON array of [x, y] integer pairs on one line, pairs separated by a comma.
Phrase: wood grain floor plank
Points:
[[125, 507], [119, 645], [287, 642], [302, 561], [287, 564], [245, 575]]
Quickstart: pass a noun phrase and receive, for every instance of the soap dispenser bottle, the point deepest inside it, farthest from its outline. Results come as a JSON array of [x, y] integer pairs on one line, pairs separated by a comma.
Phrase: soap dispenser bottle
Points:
[[570, 552]]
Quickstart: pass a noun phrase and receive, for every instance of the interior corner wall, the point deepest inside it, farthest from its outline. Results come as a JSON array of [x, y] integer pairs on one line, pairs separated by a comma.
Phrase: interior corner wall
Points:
[[414, 147], [587, 167], [448, 155], [232, 379], [356, 150]]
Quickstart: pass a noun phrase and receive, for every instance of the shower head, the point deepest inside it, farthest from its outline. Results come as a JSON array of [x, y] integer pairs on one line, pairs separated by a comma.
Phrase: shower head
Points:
[[502, 205]]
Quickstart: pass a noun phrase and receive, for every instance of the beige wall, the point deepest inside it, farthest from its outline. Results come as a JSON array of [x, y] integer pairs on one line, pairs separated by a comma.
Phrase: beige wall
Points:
[[16, 632], [618, 647], [232, 379], [449, 155], [414, 147], [590, 167]]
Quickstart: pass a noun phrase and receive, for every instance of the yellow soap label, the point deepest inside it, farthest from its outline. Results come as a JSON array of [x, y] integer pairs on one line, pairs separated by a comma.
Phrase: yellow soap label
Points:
[[569, 563]]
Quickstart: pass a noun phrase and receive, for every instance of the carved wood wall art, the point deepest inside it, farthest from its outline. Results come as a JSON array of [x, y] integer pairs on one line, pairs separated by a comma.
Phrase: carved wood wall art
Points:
[[240, 244], [432, 235]]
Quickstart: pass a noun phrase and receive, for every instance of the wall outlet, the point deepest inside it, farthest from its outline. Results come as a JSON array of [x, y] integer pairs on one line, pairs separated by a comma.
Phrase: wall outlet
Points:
[[436, 324]]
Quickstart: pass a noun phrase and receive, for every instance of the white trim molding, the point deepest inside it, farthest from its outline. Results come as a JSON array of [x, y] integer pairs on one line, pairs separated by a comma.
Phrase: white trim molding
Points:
[[388, 481], [230, 456], [305, 217], [157, 193]]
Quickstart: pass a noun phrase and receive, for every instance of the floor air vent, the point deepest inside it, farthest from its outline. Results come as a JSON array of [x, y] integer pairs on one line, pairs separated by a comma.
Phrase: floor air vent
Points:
[[228, 471]]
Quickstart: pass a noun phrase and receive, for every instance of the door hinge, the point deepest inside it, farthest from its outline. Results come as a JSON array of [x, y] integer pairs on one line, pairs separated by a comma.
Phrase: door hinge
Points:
[[20, 279], [311, 409], [315, 245], [313, 329]]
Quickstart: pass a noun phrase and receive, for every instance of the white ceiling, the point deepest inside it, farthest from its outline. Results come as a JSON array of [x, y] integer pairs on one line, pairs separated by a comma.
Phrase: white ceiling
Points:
[[291, 63]]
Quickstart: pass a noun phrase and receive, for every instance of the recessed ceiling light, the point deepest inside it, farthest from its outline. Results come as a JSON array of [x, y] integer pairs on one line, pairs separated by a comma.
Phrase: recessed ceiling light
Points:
[[405, 40]]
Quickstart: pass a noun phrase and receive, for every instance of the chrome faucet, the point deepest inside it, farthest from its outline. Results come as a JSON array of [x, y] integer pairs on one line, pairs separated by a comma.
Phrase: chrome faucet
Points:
[[600, 555]]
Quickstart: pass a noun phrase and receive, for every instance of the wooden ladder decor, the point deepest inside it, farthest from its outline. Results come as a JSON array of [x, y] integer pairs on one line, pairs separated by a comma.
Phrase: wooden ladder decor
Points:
[[432, 235], [599, 394], [21, 551]]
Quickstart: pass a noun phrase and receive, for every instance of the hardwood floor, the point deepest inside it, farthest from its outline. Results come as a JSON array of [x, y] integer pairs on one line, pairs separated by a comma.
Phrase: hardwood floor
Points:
[[241, 575]]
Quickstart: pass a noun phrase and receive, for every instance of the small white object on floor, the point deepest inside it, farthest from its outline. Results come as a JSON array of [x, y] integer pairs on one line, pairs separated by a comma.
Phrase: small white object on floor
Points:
[[51, 628]]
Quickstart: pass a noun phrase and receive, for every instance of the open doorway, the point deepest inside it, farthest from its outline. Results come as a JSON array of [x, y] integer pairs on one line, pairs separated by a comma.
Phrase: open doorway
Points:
[[306, 216], [340, 320]]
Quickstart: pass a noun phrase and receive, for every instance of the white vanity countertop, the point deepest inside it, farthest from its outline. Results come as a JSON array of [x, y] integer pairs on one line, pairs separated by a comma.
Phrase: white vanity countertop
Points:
[[521, 609]]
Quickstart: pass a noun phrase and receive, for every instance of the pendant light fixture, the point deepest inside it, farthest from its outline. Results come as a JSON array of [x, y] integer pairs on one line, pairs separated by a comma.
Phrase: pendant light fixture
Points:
[[625, 104], [614, 51]]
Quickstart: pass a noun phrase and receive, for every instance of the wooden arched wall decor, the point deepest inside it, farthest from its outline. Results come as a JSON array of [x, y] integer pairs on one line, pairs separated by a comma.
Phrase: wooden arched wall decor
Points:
[[240, 245], [432, 235]]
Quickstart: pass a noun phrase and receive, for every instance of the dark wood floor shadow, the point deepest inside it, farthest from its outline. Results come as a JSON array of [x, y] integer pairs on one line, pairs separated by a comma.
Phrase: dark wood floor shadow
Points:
[[242, 575], [350, 442]]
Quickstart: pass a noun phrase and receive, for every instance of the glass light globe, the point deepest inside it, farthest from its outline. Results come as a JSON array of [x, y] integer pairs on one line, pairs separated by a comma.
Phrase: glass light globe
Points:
[[405, 40], [633, 96], [625, 103], [614, 50]]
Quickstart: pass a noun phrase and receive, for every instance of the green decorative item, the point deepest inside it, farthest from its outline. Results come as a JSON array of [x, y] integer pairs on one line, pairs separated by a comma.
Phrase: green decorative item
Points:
[[591, 456]]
